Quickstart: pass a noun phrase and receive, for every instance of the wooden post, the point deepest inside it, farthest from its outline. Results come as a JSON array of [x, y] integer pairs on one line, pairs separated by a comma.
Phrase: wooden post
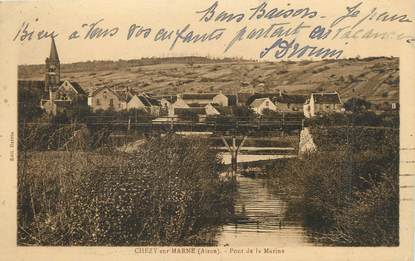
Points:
[[129, 124], [234, 153], [242, 143]]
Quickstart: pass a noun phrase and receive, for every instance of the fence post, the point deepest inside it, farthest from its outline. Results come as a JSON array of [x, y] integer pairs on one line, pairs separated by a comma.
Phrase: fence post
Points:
[[234, 157]]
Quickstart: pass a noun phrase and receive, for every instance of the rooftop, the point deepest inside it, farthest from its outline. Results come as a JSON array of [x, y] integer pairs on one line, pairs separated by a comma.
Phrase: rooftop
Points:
[[326, 98]]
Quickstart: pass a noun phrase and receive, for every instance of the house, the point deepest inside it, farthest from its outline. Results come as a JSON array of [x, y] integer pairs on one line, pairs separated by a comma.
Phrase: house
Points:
[[173, 103], [211, 110], [204, 98], [395, 106], [322, 103], [144, 102], [195, 114], [261, 104], [166, 100], [180, 103], [271, 96], [105, 98], [290, 102]]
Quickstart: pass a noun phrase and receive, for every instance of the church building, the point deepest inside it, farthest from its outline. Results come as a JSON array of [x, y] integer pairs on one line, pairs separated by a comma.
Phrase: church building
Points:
[[63, 95], [57, 95]]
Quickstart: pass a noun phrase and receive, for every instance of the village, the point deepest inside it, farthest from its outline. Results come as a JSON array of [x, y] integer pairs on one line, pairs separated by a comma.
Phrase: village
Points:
[[216, 162], [60, 95]]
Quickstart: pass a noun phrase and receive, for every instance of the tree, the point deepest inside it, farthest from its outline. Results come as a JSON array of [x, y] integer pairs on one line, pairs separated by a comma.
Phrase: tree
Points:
[[357, 105], [29, 104], [243, 113], [189, 116], [80, 109]]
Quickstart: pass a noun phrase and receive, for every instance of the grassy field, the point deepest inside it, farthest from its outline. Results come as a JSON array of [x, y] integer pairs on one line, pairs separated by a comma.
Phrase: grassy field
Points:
[[376, 79], [167, 193]]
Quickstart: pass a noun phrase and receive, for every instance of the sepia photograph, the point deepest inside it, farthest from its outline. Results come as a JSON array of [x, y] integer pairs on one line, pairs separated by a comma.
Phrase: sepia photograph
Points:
[[207, 129], [206, 151]]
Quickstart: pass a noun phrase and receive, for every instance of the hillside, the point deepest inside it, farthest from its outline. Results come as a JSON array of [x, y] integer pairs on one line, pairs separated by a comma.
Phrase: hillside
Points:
[[375, 79]]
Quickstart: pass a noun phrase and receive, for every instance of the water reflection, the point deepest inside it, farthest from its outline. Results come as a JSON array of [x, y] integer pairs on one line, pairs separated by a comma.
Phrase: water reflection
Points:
[[260, 219], [226, 157]]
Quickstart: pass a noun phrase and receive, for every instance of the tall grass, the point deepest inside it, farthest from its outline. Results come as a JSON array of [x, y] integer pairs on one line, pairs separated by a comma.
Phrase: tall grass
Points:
[[167, 193], [348, 192]]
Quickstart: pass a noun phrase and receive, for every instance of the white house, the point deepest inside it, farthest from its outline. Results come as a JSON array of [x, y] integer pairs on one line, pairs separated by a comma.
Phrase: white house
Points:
[[145, 103], [105, 98], [259, 105], [178, 103], [166, 100], [211, 110], [290, 102], [322, 103]]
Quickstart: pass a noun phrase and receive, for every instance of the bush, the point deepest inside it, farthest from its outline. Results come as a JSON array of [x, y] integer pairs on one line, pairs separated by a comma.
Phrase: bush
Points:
[[357, 105], [350, 197], [363, 118], [165, 194], [189, 116], [243, 113]]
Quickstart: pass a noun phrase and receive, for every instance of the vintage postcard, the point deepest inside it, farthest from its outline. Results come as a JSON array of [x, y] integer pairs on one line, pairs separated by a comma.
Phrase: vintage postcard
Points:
[[214, 129]]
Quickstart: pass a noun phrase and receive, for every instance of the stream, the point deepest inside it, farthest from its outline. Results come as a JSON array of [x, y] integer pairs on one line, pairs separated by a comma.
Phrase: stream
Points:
[[260, 219]]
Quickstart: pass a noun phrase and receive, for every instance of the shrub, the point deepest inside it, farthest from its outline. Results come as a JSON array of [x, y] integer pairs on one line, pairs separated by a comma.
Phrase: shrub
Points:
[[350, 197], [357, 105], [189, 116], [164, 194]]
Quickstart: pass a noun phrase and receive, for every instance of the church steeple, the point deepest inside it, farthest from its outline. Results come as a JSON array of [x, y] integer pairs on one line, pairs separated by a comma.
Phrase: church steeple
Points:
[[52, 75], [53, 51]]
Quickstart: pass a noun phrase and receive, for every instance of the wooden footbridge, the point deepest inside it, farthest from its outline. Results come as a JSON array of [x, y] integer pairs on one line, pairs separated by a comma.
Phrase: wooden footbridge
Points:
[[227, 136], [166, 124]]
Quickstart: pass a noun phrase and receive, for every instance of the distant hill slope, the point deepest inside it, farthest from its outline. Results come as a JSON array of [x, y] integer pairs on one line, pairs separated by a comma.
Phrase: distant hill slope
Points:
[[375, 79]]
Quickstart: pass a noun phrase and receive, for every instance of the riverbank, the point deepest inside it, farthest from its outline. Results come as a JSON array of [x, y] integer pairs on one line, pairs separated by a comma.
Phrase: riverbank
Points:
[[167, 193], [347, 191]]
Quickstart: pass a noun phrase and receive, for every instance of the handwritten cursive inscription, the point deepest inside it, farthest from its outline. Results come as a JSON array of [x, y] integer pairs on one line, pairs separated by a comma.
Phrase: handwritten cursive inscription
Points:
[[285, 49]]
